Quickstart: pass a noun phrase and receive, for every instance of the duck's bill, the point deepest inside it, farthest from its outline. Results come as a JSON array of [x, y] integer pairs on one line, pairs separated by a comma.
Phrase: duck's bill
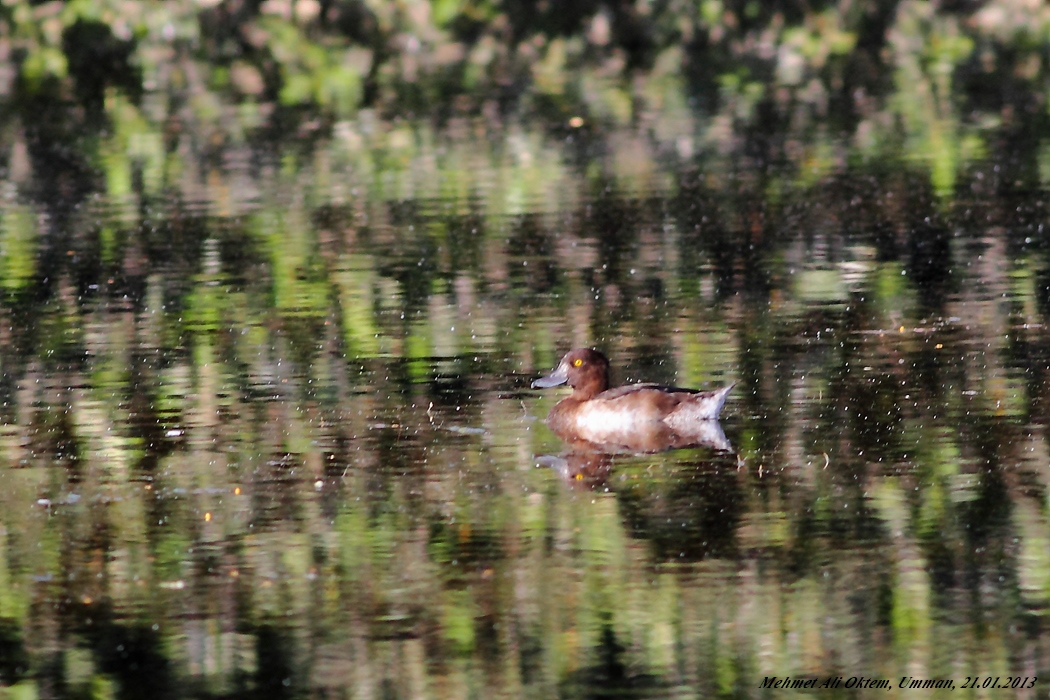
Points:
[[555, 378]]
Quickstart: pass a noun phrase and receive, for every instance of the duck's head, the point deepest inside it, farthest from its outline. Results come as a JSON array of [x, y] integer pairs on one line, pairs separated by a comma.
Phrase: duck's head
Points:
[[585, 370]]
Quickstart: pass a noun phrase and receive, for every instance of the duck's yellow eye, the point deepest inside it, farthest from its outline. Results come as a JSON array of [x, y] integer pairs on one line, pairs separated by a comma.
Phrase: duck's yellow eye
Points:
[[577, 362]]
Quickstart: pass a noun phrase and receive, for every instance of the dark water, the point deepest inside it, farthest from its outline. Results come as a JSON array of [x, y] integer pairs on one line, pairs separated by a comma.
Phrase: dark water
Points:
[[269, 433]]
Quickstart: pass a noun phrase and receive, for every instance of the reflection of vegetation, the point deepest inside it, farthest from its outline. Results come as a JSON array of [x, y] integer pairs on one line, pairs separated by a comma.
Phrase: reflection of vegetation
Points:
[[14, 661], [690, 517], [17, 241], [151, 80], [291, 431], [608, 675]]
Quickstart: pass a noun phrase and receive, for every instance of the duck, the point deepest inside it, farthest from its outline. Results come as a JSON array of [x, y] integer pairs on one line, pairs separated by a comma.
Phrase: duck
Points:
[[633, 417]]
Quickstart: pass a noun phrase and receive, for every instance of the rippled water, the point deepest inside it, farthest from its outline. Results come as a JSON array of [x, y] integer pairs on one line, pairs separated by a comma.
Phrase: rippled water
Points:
[[280, 442]]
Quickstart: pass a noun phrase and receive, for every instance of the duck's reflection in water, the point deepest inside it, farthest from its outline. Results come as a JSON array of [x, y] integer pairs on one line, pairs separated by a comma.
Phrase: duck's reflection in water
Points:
[[686, 501], [588, 464]]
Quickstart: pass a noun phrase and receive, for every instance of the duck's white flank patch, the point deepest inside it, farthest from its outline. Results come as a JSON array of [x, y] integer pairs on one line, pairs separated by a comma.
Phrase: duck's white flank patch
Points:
[[597, 420]]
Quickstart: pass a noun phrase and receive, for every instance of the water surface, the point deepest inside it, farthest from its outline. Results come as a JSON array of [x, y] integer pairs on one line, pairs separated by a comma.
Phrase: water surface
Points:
[[268, 432]]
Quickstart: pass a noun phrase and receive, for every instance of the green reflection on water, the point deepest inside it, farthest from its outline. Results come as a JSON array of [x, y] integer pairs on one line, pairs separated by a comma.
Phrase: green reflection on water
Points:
[[17, 247], [283, 443]]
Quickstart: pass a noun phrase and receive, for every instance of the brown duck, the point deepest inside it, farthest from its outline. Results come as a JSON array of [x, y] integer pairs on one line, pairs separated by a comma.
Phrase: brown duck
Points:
[[636, 417]]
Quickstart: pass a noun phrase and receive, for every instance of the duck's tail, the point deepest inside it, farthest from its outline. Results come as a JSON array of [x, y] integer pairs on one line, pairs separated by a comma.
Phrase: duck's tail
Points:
[[702, 406], [718, 399]]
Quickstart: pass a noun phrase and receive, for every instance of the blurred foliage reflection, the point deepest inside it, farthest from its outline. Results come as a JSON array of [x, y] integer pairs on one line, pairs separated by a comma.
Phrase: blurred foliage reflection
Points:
[[268, 432], [130, 88]]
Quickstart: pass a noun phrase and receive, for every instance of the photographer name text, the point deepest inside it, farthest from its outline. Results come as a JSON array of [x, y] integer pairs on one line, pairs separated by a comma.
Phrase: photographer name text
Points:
[[906, 682]]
